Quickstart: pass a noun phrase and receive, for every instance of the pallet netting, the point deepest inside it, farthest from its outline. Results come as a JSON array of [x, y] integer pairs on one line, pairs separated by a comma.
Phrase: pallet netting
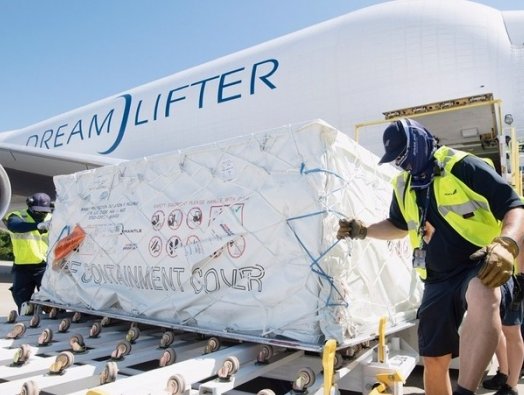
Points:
[[237, 236]]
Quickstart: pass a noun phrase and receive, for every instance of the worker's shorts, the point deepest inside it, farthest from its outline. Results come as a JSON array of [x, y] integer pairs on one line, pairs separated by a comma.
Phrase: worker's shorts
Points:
[[510, 315], [440, 315]]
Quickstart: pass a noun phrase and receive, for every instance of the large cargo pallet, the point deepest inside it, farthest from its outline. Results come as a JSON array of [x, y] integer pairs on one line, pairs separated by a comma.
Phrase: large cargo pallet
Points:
[[65, 352]]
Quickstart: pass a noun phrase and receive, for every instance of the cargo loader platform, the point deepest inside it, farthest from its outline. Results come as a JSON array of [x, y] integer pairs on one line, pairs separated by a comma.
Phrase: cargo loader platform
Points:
[[65, 352]]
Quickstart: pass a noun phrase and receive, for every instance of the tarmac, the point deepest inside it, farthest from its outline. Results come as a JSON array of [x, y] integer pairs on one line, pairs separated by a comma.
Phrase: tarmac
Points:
[[413, 385], [7, 304]]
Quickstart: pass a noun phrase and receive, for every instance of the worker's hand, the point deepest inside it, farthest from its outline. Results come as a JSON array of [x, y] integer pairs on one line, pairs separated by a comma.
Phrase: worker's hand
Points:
[[498, 258], [43, 227], [353, 229]]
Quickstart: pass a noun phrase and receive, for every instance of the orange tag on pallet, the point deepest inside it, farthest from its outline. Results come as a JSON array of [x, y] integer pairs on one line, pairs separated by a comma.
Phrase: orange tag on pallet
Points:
[[68, 244]]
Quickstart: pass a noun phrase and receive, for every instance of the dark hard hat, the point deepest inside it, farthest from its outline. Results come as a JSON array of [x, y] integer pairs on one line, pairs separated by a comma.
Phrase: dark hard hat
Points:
[[40, 202], [395, 142]]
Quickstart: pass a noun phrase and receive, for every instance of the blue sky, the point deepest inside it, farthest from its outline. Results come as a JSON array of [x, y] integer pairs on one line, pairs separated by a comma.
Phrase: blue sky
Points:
[[57, 55]]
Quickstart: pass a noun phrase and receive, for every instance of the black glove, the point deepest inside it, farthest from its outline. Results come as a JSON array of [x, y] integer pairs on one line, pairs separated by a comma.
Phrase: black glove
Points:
[[353, 229], [498, 258], [518, 291]]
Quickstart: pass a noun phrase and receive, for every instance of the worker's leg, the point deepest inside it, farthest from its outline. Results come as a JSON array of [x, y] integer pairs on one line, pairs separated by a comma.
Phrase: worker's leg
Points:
[[501, 377], [511, 313], [480, 333], [515, 353], [38, 275], [522, 334], [436, 375], [440, 314], [502, 356], [22, 288]]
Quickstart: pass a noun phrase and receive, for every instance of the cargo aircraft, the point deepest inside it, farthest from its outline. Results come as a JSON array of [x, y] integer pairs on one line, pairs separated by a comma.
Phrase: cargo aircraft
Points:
[[456, 65]]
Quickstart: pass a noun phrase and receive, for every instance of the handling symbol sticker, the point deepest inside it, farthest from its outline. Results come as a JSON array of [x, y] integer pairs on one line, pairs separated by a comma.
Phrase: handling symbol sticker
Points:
[[157, 219], [172, 245], [155, 246], [194, 218], [193, 245], [236, 247], [174, 219]]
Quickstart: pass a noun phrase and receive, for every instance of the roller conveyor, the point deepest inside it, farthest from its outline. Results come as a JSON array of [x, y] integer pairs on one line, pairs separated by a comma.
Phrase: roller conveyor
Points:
[[89, 354]]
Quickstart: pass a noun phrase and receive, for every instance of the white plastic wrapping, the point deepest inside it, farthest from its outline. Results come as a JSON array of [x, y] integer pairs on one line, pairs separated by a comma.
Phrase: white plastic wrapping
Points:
[[236, 236]]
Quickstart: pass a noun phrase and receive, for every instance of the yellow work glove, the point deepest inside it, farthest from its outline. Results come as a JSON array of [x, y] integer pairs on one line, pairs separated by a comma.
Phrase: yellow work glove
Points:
[[498, 258], [353, 229]]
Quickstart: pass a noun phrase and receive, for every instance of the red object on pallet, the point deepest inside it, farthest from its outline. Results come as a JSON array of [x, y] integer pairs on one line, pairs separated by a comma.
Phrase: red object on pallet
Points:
[[68, 244]]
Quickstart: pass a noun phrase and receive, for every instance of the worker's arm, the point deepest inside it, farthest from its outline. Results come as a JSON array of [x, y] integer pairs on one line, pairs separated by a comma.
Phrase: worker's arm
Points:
[[513, 226], [16, 224], [355, 229], [385, 230]]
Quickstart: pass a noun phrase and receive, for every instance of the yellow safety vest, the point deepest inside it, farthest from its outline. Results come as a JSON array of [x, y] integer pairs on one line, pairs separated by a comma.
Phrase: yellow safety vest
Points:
[[29, 247], [463, 209]]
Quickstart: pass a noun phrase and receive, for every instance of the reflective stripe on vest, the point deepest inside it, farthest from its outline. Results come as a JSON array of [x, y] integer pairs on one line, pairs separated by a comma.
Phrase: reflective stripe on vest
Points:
[[29, 247], [466, 211]]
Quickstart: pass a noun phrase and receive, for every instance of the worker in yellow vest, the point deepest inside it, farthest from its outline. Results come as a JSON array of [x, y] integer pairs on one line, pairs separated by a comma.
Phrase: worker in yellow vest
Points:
[[465, 224], [29, 237]]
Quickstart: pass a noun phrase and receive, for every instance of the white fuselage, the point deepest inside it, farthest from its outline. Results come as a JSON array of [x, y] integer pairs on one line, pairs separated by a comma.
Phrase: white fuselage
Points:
[[346, 70]]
